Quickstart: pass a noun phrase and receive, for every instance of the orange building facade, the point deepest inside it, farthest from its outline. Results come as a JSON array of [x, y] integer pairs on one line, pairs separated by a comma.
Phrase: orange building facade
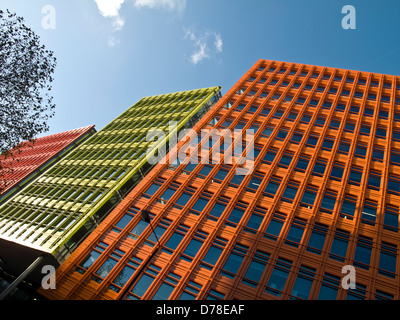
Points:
[[318, 204]]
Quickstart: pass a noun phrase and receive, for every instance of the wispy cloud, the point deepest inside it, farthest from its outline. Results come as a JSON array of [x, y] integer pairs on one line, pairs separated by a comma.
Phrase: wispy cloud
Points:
[[203, 44], [170, 5], [218, 42], [110, 9]]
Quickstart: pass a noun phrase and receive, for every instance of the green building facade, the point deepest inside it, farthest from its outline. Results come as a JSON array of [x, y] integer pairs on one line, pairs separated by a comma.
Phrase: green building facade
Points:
[[58, 210]]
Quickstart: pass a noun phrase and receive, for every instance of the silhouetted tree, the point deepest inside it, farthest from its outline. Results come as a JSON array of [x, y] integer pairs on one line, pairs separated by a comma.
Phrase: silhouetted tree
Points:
[[26, 69]]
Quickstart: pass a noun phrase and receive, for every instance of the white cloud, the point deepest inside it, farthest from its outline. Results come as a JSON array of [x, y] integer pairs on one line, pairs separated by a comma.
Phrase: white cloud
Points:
[[110, 9], [202, 43], [218, 42], [170, 5], [200, 53]]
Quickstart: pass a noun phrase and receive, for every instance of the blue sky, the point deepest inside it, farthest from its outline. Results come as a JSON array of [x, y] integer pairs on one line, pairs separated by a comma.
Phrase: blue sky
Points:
[[111, 53]]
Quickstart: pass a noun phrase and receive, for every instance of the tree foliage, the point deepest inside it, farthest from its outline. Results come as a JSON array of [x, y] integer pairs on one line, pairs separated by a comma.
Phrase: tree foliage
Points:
[[26, 69]]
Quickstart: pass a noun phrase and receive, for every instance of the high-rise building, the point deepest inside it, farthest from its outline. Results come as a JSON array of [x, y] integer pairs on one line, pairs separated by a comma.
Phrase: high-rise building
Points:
[[49, 217], [29, 159], [319, 199]]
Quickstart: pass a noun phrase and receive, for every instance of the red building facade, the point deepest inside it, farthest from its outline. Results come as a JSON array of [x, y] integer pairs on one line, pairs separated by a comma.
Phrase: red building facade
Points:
[[25, 161]]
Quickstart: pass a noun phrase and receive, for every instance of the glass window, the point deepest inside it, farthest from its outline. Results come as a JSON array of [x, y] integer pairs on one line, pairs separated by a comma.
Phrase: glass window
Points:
[[206, 170], [290, 192], [295, 233], [319, 167], [393, 186], [267, 131], [350, 126], [309, 196], [255, 220], [254, 183], [302, 286], [200, 204], [329, 287], [344, 147], [282, 134], [286, 159], [337, 171], [275, 226], [141, 286], [395, 157], [355, 176], [396, 135], [215, 251], [317, 238], [277, 280], [123, 222], [312, 140], [217, 210], [164, 292], [292, 115], [235, 216], [221, 174], [356, 294], [339, 245], [215, 295], [368, 112], [87, 262], [90, 259], [378, 154], [191, 291], [234, 261], [187, 296], [265, 111], [369, 212], [104, 269], [306, 118], [153, 189], [354, 109], [167, 195], [272, 187], [269, 156], [349, 206], [192, 248], [122, 278], [362, 256], [256, 268], [387, 260], [328, 144], [320, 121], [365, 129], [328, 201], [177, 237], [381, 132], [380, 295], [183, 199], [278, 113], [335, 124], [125, 274], [297, 136], [361, 150], [138, 229], [302, 163], [391, 218]]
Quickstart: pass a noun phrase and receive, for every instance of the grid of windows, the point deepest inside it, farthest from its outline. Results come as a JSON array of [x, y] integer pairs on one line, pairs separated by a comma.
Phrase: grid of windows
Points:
[[325, 185]]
